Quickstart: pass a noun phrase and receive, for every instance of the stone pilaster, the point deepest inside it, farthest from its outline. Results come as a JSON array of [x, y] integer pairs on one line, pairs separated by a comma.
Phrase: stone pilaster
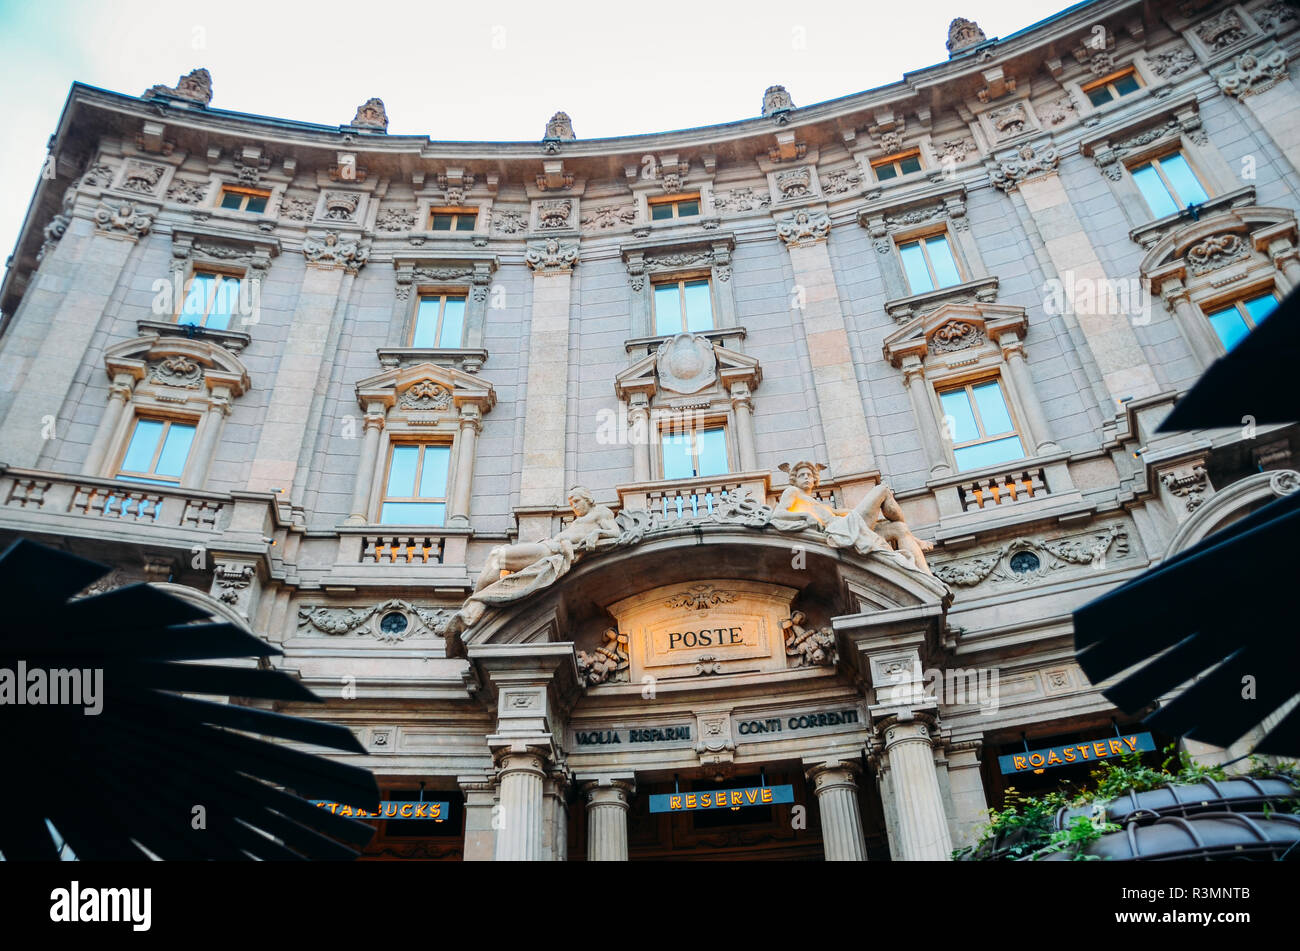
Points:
[[542, 482], [366, 463], [922, 824], [119, 395], [480, 812], [607, 808], [839, 402], [471, 424], [835, 783], [967, 790]]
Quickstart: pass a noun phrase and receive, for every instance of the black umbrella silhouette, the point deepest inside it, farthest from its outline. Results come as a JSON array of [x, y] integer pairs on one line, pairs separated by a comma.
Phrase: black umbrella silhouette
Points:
[[154, 773], [1221, 610]]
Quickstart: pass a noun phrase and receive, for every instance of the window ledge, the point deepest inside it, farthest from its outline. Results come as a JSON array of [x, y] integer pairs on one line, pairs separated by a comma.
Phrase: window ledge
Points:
[[418, 238], [1148, 234], [468, 359], [232, 340], [903, 309]]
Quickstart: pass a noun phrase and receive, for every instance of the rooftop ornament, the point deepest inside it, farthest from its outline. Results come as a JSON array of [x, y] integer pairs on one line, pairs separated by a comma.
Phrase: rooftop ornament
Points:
[[962, 35], [777, 104], [196, 87], [371, 115], [558, 129]]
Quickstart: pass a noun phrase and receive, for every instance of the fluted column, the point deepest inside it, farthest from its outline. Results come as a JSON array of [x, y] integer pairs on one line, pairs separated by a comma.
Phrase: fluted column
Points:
[[1013, 353], [923, 410], [521, 776], [743, 409], [119, 394], [470, 426], [374, 424], [837, 800], [209, 431], [607, 807], [922, 823], [638, 418]]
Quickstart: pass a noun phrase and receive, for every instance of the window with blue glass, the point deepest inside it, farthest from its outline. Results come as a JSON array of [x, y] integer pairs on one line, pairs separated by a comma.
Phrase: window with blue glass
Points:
[[674, 206], [211, 300], [1112, 87], [157, 451], [439, 321], [415, 490], [979, 423], [1234, 321], [929, 264], [695, 452], [1168, 184], [683, 306]]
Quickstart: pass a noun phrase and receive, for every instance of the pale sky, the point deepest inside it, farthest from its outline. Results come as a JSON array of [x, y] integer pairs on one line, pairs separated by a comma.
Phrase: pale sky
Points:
[[494, 70]]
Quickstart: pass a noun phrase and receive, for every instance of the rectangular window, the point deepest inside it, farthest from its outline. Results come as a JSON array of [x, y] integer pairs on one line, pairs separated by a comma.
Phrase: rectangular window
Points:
[[439, 321], [452, 219], [244, 199], [415, 490], [1168, 184], [683, 306], [1239, 318], [895, 165], [1112, 87], [211, 300], [979, 423], [156, 451], [674, 206], [929, 264], [695, 452]]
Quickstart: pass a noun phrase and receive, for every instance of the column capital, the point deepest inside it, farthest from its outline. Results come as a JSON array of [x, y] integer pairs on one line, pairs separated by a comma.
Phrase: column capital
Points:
[[608, 792], [832, 772], [519, 756]]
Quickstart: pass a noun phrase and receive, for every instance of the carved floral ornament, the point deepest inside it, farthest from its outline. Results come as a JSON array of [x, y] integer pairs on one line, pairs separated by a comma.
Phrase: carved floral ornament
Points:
[[551, 257], [1027, 561], [178, 371], [1215, 252], [142, 177], [955, 335], [804, 227], [123, 219], [334, 251], [1253, 72], [1221, 31], [1031, 160], [393, 620], [425, 394], [700, 597]]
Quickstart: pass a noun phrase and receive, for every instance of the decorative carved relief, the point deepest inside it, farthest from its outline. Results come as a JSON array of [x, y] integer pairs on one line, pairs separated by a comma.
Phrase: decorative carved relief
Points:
[[551, 257], [560, 127], [186, 192], [197, 87], [1215, 252], [1032, 159], [509, 222], [393, 620], [332, 251], [341, 206], [955, 335], [609, 216], [1188, 485], [371, 115], [808, 647], [1057, 111], [1009, 121], [686, 364], [1271, 16], [395, 219], [803, 227], [99, 175], [177, 370], [700, 597], [956, 150], [123, 218], [1251, 73], [448, 272], [1173, 61], [554, 214], [426, 395], [841, 181], [741, 199], [142, 177], [1221, 31], [297, 209], [1027, 561], [232, 580], [794, 183], [608, 663]]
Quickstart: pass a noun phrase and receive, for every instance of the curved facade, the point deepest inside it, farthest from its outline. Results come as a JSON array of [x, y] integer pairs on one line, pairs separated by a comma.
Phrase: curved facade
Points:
[[862, 396]]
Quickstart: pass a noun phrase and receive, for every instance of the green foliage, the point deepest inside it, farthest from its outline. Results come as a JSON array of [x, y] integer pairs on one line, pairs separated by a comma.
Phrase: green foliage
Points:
[[1025, 827]]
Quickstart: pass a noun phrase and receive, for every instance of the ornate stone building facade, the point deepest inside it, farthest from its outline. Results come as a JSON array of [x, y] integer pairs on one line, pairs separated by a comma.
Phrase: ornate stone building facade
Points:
[[767, 457]]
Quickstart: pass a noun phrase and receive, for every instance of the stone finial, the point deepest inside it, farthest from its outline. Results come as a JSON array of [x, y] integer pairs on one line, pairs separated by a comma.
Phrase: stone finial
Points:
[[963, 34], [776, 101], [560, 127], [196, 87], [371, 115]]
